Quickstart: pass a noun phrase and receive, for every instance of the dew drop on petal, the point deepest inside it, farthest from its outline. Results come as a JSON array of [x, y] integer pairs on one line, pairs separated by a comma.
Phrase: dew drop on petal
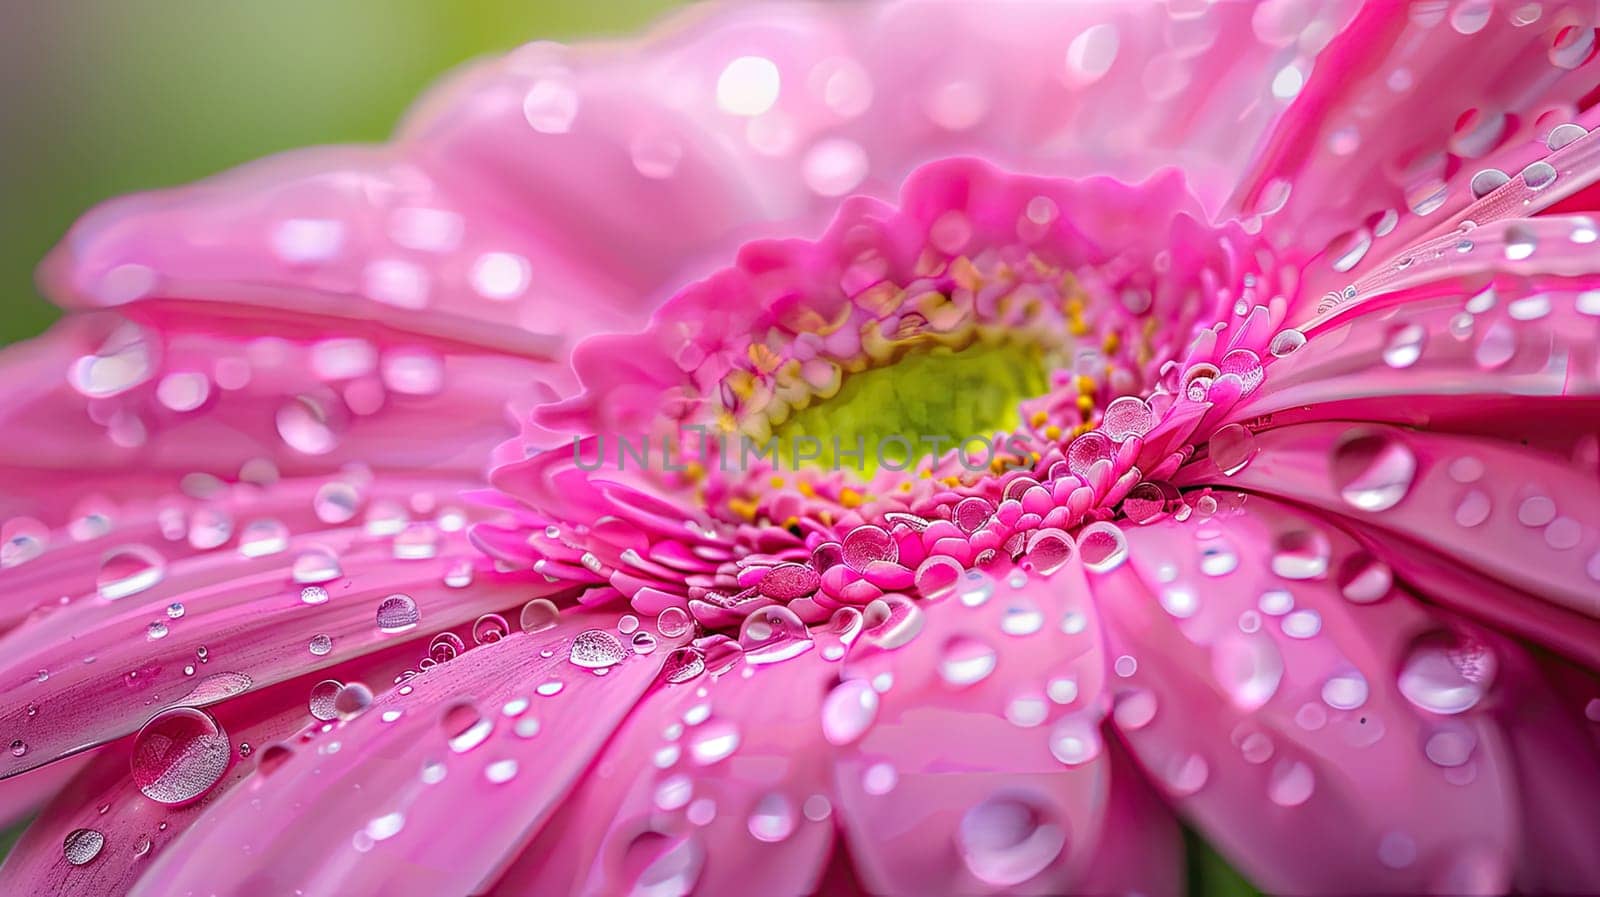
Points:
[[539, 615], [1291, 783], [82, 846], [179, 755], [966, 661], [1301, 554], [397, 613], [773, 634], [596, 649], [673, 622], [323, 695], [129, 570], [1403, 345], [1075, 740], [773, 819], [352, 700], [848, 711], [1008, 839], [465, 727], [1373, 471], [1231, 448], [1446, 675], [1102, 546], [661, 865]]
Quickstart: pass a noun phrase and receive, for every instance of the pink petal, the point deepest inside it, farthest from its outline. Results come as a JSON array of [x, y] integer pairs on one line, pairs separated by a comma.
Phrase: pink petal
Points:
[[1484, 506], [750, 819], [1018, 798], [1396, 116], [244, 622], [1267, 706], [132, 828], [367, 816]]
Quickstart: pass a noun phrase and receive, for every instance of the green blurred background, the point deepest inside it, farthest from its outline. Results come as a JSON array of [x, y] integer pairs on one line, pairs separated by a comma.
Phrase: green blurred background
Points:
[[99, 99], [103, 98]]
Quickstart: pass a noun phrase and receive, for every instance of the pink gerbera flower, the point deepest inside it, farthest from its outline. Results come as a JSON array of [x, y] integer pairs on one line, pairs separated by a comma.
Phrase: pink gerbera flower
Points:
[[1186, 411]]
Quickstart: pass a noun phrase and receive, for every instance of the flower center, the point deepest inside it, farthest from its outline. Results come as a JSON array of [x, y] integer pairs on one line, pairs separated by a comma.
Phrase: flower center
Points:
[[921, 406]]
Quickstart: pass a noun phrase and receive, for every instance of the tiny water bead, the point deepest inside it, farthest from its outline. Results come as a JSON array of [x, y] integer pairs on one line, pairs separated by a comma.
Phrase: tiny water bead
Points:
[[179, 755]]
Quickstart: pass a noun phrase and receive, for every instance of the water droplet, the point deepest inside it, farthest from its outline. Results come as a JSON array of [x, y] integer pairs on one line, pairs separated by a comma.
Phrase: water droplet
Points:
[[683, 665], [1301, 554], [336, 502], [539, 615], [1008, 840], [966, 661], [156, 630], [352, 700], [464, 727], [1047, 549], [1248, 667], [1075, 740], [1445, 674], [673, 622], [1291, 783], [1363, 578], [1373, 470], [848, 711], [660, 865], [1286, 342], [129, 570], [179, 755], [1403, 345], [1345, 691], [316, 564], [490, 628], [713, 742], [1102, 546], [323, 695], [82, 846], [1231, 448], [320, 645], [260, 538], [596, 649], [314, 595], [773, 634], [397, 613], [773, 818]]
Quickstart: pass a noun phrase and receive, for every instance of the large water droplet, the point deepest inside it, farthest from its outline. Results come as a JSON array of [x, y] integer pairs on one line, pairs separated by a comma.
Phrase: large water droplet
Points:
[[1301, 554], [660, 865], [1075, 740], [397, 613], [1102, 546], [1404, 345], [539, 615], [848, 711], [129, 570], [773, 634], [1445, 674], [596, 649], [773, 818], [179, 755], [1373, 471], [673, 622], [464, 727], [1008, 839], [966, 661], [82, 846], [1231, 448], [1248, 667]]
